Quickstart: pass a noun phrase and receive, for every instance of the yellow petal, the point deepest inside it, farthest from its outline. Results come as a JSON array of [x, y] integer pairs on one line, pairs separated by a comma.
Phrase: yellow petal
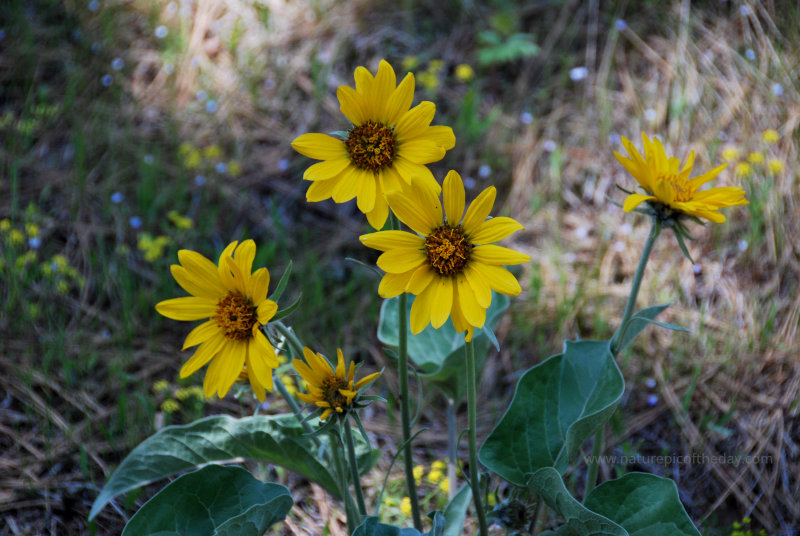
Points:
[[700, 180], [415, 122], [420, 151], [442, 302], [203, 270], [459, 321], [201, 334], [238, 278], [366, 193], [479, 209], [394, 284], [400, 100], [480, 287], [473, 313], [188, 308], [194, 284], [257, 360], [420, 280], [320, 147], [265, 311], [421, 309], [323, 171], [347, 185], [307, 373], [202, 355], [397, 261], [363, 80], [377, 216], [339, 364], [352, 105], [321, 190], [498, 278], [266, 349], [382, 88], [495, 229], [260, 286], [244, 256], [225, 368], [634, 200], [440, 135], [386, 240], [490, 254], [366, 380], [411, 212], [223, 270], [453, 195]]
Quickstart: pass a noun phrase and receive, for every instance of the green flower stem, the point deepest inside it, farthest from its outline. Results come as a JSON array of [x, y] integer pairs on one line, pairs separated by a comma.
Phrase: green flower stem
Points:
[[637, 282], [452, 447], [354, 473], [353, 517], [298, 413], [294, 343], [474, 472], [405, 414], [594, 463]]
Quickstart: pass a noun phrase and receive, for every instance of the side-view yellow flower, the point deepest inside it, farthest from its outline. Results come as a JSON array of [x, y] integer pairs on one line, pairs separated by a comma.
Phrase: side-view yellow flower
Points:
[[389, 144], [451, 264], [329, 390], [668, 186], [235, 302]]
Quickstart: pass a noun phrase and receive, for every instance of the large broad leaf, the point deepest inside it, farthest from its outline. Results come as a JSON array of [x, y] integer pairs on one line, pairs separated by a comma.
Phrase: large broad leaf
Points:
[[456, 512], [439, 353], [214, 501], [578, 520], [557, 405], [643, 504], [372, 527], [276, 439]]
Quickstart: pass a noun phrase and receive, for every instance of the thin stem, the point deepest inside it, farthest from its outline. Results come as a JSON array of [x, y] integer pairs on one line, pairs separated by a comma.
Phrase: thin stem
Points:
[[298, 413], [405, 413], [594, 463], [294, 343], [616, 340], [353, 517], [354, 473], [452, 446], [474, 472]]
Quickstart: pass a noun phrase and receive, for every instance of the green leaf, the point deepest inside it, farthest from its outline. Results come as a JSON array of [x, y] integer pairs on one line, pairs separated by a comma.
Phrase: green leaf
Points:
[[214, 501], [286, 311], [579, 520], [372, 527], [275, 296], [439, 353], [557, 405], [640, 320], [275, 439], [643, 504], [456, 512]]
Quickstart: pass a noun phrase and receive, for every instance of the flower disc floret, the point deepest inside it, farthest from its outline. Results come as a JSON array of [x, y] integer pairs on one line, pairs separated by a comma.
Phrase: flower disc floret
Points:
[[234, 302], [371, 146], [450, 264]]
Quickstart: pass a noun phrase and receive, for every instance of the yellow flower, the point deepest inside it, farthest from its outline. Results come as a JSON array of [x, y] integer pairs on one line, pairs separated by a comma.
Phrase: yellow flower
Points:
[[212, 152], [329, 390], [452, 267], [438, 465], [31, 229], [234, 168], [5, 224], [755, 158], [180, 221], [405, 506], [667, 185], [730, 153], [410, 63], [775, 166], [444, 485], [770, 136], [419, 471], [170, 406], [435, 476], [161, 386], [235, 302], [388, 146], [16, 237], [464, 72], [743, 169]]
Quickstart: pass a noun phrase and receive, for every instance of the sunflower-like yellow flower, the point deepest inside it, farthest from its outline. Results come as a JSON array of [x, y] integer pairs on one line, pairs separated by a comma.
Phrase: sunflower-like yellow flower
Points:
[[389, 144], [235, 302], [450, 265], [668, 187], [329, 390]]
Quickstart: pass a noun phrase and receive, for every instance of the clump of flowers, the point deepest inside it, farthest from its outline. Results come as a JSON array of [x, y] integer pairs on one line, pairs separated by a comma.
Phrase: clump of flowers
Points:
[[234, 301], [152, 247]]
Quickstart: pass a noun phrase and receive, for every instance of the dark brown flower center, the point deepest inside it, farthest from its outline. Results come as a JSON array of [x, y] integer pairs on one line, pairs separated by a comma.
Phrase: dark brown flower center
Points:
[[236, 315], [330, 392], [448, 249], [371, 146]]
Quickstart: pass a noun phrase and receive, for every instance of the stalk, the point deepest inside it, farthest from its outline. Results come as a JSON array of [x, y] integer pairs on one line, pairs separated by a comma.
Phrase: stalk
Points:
[[354, 474], [594, 463], [353, 517], [616, 340], [472, 395], [452, 447], [402, 366]]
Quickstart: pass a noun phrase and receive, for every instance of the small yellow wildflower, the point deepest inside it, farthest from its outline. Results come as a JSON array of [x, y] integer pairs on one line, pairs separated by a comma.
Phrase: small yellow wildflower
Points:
[[770, 136], [234, 168], [435, 476], [282, 359], [60, 261], [438, 465], [444, 485], [31, 229], [180, 221], [16, 237], [26, 259], [5, 224], [170, 405], [743, 169], [161, 386], [730, 153], [212, 152], [62, 287], [419, 472], [288, 382], [405, 506], [410, 63], [429, 80], [755, 158], [775, 166], [464, 72], [190, 156], [435, 65], [183, 393], [153, 248]]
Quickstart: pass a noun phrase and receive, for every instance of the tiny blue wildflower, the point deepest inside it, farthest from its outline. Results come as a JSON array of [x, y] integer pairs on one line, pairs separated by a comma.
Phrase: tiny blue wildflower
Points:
[[93, 5], [526, 118], [136, 222], [211, 106], [576, 74], [200, 180], [652, 400], [221, 167], [148, 159], [117, 198], [620, 25], [106, 80], [201, 95], [484, 171], [650, 383], [777, 89], [117, 64], [750, 54], [742, 244], [34, 242], [283, 164], [161, 32], [549, 146]]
